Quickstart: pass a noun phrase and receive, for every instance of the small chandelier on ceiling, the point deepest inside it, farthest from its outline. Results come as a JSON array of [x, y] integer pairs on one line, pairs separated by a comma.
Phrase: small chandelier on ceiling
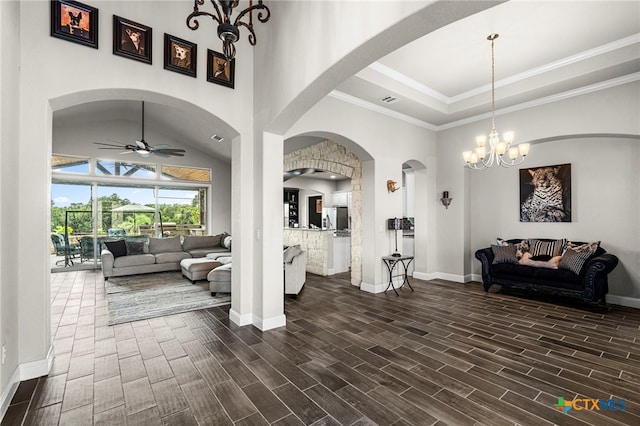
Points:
[[228, 31], [480, 159]]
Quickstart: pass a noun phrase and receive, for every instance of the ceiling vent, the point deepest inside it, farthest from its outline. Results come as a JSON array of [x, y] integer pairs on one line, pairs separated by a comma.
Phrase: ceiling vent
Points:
[[389, 99]]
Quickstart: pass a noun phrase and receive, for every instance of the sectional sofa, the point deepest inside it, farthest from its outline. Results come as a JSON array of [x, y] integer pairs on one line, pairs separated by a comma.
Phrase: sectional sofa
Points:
[[122, 257]]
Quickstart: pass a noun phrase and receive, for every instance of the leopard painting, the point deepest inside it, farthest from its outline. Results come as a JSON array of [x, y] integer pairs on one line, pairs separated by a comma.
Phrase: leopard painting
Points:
[[545, 203]]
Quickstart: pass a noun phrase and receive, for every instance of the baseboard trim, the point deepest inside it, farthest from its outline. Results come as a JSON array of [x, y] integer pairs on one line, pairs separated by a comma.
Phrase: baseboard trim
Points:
[[27, 371], [372, 288], [331, 272], [269, 323], [9, 392], [240, 320], [630, 302], [442, 276]]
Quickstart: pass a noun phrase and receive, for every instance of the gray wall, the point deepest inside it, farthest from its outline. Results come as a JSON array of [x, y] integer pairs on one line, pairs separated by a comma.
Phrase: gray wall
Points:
[[605, 183]]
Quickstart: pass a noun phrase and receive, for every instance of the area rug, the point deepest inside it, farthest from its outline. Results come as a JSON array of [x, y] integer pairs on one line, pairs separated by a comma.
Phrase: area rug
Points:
[[138, 297]]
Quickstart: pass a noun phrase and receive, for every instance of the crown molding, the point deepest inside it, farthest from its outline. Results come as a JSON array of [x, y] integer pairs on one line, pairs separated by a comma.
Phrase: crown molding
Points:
[[630, 78], [382, 110], [533, 72]]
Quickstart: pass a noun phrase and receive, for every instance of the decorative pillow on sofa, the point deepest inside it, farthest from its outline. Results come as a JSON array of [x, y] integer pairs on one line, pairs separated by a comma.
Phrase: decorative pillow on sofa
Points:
[[117, 248], [550, 248], [504, 254], [573, 260], [521, 248], [583, 246], [135, 247], [164, 245]]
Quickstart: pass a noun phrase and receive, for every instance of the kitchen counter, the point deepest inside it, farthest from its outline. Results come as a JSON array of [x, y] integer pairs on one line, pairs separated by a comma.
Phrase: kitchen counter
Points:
[[326, 248]]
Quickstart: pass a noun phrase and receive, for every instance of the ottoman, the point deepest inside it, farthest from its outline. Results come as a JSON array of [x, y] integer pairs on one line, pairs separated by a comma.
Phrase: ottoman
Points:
[[198, 268], [220, 279]]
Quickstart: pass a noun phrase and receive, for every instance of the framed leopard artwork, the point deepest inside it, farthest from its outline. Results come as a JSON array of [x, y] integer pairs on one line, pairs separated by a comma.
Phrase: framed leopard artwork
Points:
[[545, 194]]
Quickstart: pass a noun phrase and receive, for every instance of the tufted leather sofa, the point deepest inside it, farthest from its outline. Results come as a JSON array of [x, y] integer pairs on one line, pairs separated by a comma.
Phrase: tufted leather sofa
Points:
[[590, 284]]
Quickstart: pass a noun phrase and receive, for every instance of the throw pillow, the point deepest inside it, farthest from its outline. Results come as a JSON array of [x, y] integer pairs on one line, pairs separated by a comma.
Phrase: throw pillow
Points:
[[504, 254], [583, 246], [134, 247], [549, 248], [521, 248], [117, 248], [574, 260]]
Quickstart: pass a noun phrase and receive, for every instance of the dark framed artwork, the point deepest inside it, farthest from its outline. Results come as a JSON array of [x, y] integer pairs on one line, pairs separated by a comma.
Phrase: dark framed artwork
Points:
[[545, 194], [219, 70], [180, 55], [74, 21], [131, 40]]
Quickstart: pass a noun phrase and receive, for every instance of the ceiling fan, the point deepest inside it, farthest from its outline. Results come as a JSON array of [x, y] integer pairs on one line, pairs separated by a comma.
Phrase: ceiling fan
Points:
[[142, 147]]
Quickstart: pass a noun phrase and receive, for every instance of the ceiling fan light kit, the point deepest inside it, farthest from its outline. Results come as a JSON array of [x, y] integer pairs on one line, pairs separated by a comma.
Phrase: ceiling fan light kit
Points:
[[143, 148], [481, 158]]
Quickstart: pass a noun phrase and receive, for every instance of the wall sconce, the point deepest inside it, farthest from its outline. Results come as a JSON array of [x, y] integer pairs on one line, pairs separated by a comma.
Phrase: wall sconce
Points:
[[391, 186], [445, 199]]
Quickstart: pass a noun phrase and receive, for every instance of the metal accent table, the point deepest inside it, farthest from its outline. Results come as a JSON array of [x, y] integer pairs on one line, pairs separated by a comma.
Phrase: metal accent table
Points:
[[391, 262]]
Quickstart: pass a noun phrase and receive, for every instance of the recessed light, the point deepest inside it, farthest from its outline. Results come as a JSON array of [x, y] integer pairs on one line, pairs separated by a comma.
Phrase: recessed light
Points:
[[217, 138], [333, 176]]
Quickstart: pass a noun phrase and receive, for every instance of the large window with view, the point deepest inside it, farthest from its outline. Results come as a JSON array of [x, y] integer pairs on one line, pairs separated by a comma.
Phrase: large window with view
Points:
[[93, 201]]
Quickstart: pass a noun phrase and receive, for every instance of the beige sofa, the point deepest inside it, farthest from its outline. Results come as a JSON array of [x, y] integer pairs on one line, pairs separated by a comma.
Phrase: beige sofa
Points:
[[160, 254], [295, 270]]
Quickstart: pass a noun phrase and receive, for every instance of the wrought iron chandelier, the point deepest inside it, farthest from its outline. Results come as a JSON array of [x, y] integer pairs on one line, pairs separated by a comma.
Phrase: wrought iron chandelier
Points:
[[480, 159], [228, 30]]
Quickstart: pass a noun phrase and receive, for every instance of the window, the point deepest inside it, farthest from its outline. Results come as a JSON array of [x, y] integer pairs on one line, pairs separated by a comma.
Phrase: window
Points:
[[66, 164], [121, 168], [185, 173]]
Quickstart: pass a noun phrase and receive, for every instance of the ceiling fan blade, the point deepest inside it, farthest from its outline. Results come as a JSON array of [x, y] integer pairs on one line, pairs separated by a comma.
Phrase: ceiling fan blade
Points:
[[115, 147], [161, 146], [168, 152], [110, 144], [126, 152]]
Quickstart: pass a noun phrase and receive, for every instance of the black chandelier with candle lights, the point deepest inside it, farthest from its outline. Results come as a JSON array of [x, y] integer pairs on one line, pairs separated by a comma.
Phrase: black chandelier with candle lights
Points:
[[229, 29]]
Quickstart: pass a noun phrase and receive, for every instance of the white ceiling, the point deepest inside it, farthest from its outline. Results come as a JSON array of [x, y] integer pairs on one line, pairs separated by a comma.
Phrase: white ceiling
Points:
[[547, 50]]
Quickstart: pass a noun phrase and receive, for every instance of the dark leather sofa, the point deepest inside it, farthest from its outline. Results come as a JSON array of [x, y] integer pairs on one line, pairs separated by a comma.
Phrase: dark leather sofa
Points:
[[590, 284]]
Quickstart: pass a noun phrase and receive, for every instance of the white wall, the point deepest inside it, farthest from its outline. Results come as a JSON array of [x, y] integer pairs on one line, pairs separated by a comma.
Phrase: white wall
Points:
[[56, 74], [9, 231], [604, 179], [344, 38], [604, 192], [390, 143]]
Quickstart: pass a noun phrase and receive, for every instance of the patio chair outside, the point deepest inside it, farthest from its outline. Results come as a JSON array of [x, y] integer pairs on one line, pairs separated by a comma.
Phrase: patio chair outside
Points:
[[63, 248]]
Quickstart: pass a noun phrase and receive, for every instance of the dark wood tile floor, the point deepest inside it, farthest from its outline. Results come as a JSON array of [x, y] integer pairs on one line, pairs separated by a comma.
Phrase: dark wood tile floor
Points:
[[446, 354]]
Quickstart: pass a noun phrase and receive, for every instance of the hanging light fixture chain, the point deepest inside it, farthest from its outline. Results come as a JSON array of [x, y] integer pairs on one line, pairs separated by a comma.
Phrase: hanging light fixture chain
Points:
[[497, 151]]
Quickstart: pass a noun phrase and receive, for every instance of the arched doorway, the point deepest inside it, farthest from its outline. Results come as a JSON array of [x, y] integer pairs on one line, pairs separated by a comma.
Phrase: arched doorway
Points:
[[323, 152]]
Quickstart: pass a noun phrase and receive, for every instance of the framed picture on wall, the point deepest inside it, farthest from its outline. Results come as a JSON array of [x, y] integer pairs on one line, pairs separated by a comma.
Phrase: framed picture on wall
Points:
[[180, 55], [545, 194], [131, 40], [219, 70], [74, 21]]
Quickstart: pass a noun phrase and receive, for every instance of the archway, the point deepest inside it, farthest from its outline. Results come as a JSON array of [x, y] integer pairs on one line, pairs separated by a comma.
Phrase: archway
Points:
[[335, 154], [66, 103]]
